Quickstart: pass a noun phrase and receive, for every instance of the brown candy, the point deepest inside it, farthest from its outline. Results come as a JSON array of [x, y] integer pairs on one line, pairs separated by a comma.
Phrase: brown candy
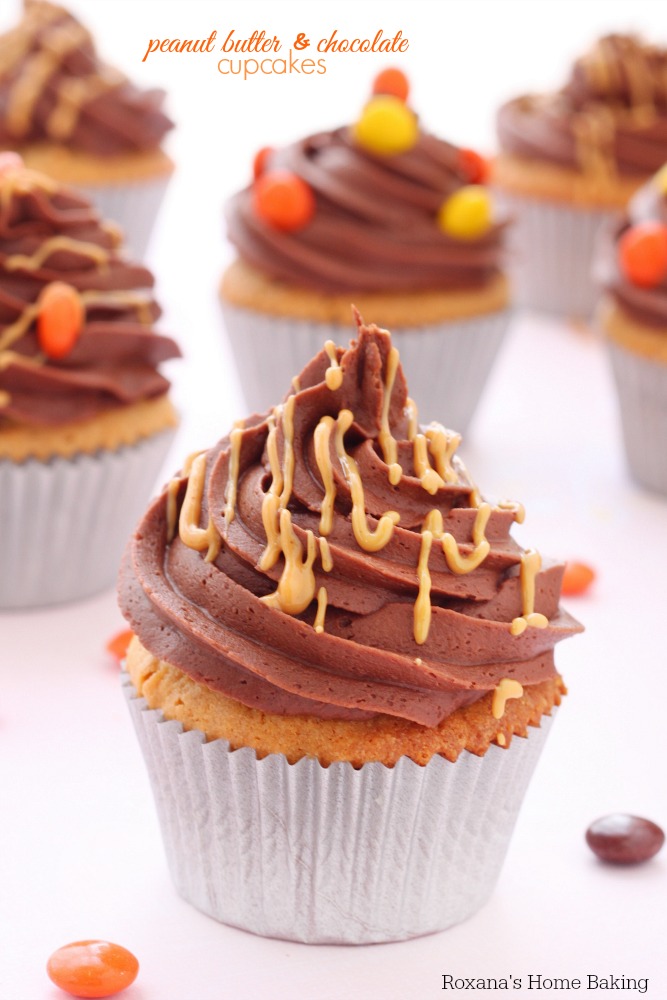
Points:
[[624, 840]]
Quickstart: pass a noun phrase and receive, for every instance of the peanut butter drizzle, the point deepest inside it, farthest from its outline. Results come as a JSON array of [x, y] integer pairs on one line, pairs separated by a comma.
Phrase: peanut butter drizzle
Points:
[[277, 496], [325, 555], [235, 439], [531, 562], [72, 94], [500, 740], [188, 525], [385, 437], [458, 563], [322, 438], [53, 245], [15, 330], [133, 300], [410, 413], [334, 373], [296, 384], [322, 598], [371, 541], [5, 398], [422, 607], [506, 689], [517, 509], [442, 444], [428, 477], [296, 587]]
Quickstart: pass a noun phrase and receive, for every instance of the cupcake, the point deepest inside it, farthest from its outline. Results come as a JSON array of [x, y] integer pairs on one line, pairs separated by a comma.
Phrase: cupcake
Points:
[[342, 672], [632, 269], [386, 216], [82, 122], [85, 420], [571, 159]]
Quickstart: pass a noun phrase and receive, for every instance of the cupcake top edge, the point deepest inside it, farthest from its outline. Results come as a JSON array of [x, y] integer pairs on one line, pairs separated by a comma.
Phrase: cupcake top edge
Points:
[[377, 206], [54, 88], [610, 118], [76, 317], [333, 558]]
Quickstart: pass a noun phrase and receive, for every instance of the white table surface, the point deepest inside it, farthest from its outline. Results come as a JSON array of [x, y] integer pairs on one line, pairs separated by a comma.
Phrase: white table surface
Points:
[[80, 850]]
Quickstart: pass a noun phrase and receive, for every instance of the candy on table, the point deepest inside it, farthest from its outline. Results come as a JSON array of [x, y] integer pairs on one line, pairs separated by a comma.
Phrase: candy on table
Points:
[[118, 643], [92, 968], [467, 214], [259, 162], [577, 578], [642, 254], [624, 840], [284, 200], [392, 81], [386, 126], [59, 320]]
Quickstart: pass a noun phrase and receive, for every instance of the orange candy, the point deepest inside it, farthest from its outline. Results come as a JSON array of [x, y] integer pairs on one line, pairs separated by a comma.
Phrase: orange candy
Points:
[[392, 81], [92, 968], [259, 163], [577, 579], [283, 200], [473, 166], [60, 319], [117, 644], [642, 254]]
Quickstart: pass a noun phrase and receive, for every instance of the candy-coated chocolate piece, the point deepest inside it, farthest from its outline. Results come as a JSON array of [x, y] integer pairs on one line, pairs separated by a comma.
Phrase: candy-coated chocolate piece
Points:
[[9, 161], [577, 578], [60, 319], [283, 200], [642, 254], [260, 160], [466, 214], [117, 644], [386, 127], [392, 81], [624, 840], [474, 166], [92, 968]]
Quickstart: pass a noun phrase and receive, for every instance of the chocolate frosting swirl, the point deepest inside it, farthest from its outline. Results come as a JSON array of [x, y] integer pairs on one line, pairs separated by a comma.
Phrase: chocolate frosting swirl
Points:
[[647, 305], [49, 233], [55, 88], [374, 227], [308, 573], [610, 117]]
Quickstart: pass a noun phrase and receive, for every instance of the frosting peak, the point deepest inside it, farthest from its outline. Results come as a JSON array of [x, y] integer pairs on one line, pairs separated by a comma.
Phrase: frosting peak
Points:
[[333, 558]]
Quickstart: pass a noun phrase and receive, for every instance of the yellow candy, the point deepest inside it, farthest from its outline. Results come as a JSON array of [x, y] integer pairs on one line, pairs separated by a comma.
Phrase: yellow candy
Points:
[[467, 214], [660, 180], [386, 126]]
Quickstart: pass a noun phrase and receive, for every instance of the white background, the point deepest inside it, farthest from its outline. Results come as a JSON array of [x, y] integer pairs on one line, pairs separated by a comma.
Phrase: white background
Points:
[[80, 852]]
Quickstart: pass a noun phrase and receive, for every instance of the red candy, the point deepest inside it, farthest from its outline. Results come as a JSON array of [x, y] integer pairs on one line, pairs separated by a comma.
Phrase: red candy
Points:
[[474, 166], [60, 319], [259, 163], [283, 200], [621, 839], [92, 968], [118, 644], [577, 578], [642, 254], [392, 81]]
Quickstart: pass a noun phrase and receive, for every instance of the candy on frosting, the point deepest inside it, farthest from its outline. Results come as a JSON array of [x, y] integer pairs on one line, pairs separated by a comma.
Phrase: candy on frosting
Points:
[[378, 188], [76, 317], [344, 581], [611, 116], [55, 88]]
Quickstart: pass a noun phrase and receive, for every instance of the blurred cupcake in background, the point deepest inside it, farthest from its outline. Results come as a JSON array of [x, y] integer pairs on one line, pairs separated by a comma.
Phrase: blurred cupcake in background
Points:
[[632, 268], [85, 420], [82, 122], [383, 215], [569, 160]]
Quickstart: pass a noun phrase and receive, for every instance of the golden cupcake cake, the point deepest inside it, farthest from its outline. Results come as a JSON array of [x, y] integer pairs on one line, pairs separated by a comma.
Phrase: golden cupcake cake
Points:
[[337, 641], [82, 122], [384, 215], [569, 160], [85, 416]]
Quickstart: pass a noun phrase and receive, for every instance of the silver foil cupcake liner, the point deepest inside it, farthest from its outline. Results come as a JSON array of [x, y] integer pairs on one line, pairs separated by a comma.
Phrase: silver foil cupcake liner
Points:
[[64, 522], [446, 364], [642, 395], [133, 205], [551, 251], [331, 854]]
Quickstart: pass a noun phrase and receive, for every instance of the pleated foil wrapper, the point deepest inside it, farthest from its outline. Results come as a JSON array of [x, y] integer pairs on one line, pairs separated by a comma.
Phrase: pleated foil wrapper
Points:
[[641, 385], [64, 522], [133, 205], [331, 854], [551, 252], [446, 364]]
